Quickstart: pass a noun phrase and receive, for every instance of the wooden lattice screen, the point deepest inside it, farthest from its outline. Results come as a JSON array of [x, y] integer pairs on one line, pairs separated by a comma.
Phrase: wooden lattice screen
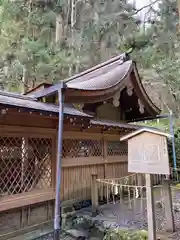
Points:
[[76, 148], [117, 148], [25, 163]]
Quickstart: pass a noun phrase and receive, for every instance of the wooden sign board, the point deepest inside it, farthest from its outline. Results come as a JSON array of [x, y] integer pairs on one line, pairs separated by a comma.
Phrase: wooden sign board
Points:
[[147, 152]]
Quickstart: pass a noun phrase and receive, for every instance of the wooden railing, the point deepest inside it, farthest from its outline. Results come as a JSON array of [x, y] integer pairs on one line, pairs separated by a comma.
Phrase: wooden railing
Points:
[[133, 184]]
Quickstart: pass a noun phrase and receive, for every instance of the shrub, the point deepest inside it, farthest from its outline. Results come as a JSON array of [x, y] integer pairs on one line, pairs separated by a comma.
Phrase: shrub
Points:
[[120, 234]]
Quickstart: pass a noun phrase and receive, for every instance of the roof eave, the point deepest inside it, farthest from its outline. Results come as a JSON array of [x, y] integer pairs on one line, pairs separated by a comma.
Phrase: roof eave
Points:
[[153, 109], [143, 130]]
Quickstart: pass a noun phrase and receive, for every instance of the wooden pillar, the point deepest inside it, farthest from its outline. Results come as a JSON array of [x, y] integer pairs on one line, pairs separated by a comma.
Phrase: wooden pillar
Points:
[[150, 209], [53, 162], [167, 196], [140, 183], [94, 193], [105, 158], [24, 161], [140, 179]]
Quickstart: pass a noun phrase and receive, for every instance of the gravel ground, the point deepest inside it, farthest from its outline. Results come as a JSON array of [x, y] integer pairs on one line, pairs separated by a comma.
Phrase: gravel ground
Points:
[[134, 216], [131, 215]]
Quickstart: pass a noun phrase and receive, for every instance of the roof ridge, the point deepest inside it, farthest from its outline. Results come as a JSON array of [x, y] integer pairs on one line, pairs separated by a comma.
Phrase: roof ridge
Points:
[[122, 57]]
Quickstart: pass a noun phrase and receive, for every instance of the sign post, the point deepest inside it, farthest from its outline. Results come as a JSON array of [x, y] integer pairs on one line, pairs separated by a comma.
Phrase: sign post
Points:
[[150, 207], [148, 154]]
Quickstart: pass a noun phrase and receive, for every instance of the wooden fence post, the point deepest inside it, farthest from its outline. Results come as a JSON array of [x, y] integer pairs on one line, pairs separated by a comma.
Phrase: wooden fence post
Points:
[[150, 208], [139, 179], [167, 196], [94, 193]]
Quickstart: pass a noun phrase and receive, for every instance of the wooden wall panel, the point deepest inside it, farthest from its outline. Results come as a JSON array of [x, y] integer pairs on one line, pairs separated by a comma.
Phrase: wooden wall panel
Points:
[[10, 221], [76, 181], [21, 220], [77, 171], [38, 213], [117, 170]]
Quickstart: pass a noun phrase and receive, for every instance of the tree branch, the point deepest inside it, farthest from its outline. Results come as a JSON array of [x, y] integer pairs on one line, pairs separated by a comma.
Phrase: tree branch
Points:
[[146, 6]]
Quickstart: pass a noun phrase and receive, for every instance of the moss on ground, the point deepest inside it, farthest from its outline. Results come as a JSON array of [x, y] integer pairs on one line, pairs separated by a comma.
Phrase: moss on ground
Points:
[[119, 234]]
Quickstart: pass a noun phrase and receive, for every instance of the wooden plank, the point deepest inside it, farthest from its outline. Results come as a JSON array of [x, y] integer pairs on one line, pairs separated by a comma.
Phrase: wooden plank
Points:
[[16, 201], [105, 157], [81, 135], [24, 230], [53, 161], [23, 217], [31, 130], [112, 137], [150, 209], [29, 120], [94, 192], [168, 206], [116, 159], [117, 170], [82, 161], [88, 135]]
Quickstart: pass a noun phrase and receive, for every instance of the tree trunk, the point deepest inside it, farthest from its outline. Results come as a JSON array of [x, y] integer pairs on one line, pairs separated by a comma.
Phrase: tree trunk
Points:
[[73, 22], [24, 80], [59, 29], [178, 5]]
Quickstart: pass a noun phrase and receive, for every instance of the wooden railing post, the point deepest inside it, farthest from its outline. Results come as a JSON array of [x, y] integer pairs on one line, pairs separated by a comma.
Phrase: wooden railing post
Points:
[[139, 179], [167, 197], [94, 193]]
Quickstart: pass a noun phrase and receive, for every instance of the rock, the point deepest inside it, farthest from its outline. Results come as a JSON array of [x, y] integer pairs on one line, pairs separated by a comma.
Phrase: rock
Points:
[[86, 203], [159, 204], [77, 206], [176, 207], [79, 234], [93, 238], [67, 209]]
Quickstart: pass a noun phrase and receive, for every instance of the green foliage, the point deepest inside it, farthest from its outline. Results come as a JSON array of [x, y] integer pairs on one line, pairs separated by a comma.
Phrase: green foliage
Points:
[[177, 146], [119, 234], [94, 32], [27, 37]]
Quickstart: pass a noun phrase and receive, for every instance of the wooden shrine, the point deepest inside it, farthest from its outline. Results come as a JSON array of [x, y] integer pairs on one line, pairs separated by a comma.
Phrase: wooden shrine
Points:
[[99, 103]]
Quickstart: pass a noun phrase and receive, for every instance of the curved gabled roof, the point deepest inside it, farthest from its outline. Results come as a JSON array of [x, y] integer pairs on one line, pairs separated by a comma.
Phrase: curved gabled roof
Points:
[[103, 82], [103, 78]]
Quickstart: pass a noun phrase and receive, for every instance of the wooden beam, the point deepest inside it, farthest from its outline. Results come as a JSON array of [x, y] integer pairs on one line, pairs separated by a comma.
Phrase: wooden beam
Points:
[[38, 131], [25, 199]]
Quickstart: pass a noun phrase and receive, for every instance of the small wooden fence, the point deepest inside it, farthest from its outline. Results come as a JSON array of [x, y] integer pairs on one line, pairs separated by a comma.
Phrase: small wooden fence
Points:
[[107, 190], [129, 194]]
